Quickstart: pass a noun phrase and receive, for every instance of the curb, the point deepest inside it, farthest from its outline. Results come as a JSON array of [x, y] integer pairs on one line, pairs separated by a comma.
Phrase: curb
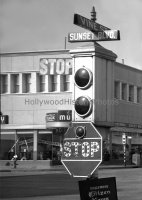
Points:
[[62, 170]]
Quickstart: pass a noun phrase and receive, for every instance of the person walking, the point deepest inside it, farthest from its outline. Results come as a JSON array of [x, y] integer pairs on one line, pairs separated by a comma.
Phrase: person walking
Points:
[[106, 156]]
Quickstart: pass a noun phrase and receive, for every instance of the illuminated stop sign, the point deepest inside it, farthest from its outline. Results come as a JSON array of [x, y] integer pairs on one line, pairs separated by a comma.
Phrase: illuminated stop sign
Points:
[[82, 149]]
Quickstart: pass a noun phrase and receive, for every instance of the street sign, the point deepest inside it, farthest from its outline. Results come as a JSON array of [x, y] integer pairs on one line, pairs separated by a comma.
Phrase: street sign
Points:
[[88, 24], [98, 189], [106, 35], [82, 149]]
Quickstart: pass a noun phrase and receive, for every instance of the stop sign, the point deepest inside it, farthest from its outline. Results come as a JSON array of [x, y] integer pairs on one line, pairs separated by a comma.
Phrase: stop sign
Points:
[[82, 149]]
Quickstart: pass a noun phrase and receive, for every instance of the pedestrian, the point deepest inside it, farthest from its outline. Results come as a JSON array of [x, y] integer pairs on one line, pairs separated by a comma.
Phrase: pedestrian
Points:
[[15, 160], [131, 155], [106, 156]]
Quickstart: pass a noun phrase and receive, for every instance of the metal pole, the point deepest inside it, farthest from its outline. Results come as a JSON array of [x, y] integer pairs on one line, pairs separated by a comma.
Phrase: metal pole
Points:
[[65, 42], [124, 155], [52, 146], [15, 140]]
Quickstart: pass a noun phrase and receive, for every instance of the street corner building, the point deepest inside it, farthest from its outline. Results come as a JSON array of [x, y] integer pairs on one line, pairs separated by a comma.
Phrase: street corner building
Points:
[[37, 102]]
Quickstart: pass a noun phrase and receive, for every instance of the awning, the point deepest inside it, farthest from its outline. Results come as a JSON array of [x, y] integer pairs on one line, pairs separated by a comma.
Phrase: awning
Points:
[[134, 140], [21, 126], [57, 124], [126, 130]]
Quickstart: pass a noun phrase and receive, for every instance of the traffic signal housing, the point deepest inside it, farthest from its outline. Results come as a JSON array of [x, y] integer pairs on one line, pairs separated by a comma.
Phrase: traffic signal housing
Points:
[[83, 87]]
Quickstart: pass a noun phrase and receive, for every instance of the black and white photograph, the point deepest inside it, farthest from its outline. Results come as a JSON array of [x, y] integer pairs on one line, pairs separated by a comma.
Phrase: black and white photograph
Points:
[[71, 99]]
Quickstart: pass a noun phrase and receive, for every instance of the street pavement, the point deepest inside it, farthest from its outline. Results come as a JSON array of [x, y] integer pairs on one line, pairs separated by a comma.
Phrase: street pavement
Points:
[[129, 180]]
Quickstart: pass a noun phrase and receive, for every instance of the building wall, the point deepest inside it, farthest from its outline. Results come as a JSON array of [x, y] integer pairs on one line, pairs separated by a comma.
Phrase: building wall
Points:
[[127, 111], [28, 61], [104, 90], [31, 107]]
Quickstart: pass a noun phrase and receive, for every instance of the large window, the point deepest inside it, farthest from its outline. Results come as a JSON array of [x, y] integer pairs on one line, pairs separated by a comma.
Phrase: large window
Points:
[[44, 147], [131, 93], [7, 146], [65, 82], [124, 92], [4, 83], [53, 83], [14, 83], [26, 83], [41, 83], [116, 89], [24, 146], [139, 95]]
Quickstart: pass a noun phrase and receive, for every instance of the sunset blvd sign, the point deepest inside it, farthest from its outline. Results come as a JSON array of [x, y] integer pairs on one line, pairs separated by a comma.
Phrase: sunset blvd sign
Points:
[[81, 155], [107, 35]]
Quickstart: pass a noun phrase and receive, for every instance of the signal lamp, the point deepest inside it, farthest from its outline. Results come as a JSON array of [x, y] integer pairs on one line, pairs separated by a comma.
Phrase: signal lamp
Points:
[[80, 132], [83, 78], [83, 106]]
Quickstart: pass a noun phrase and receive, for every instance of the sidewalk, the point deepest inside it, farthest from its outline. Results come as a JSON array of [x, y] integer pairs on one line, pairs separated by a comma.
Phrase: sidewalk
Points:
[[57, 168]]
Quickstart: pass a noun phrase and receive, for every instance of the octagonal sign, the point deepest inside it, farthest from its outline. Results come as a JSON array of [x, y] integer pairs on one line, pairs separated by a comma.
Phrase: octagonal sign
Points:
[[81, 156]]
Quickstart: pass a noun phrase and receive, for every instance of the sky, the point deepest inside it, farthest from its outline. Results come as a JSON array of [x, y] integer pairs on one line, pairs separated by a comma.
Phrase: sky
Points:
[[33, 25]]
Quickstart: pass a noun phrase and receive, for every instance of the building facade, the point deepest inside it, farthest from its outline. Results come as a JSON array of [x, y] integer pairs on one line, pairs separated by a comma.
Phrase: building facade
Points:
[[36, 102]]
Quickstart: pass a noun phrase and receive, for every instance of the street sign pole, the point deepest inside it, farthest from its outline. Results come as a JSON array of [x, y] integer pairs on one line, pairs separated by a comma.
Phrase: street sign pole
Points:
[[124, 147], [124, 138]]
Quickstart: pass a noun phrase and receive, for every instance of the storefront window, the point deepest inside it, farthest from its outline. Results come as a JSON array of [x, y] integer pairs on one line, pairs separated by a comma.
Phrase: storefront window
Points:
[[24, 146], [48, 147], [7, 146], [56, 148], [44, 147]]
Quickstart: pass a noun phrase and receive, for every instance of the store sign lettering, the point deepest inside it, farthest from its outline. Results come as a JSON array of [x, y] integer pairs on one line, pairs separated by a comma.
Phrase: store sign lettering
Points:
[[55, 66], [64, 115], [4, 119], [51, 117], [61, 115], [128, 125]]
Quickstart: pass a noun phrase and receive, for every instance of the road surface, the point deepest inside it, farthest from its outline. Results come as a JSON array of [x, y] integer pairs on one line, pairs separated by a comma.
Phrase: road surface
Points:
[[56, 185]]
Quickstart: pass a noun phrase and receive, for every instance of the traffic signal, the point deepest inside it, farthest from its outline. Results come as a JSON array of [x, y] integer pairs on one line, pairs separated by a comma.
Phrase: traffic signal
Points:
[[83, 90], [80, 132]]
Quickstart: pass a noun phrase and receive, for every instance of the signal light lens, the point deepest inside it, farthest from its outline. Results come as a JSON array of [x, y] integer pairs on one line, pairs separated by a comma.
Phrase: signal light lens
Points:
[[83, 106], [83, 78], [80, 131]]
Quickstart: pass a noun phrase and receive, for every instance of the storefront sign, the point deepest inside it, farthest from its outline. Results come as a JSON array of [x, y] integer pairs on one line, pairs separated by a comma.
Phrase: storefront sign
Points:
[[4, 119], [51, 117], [127, 125], [60, 130], [98, 189], [55, 66], [64, 115]]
